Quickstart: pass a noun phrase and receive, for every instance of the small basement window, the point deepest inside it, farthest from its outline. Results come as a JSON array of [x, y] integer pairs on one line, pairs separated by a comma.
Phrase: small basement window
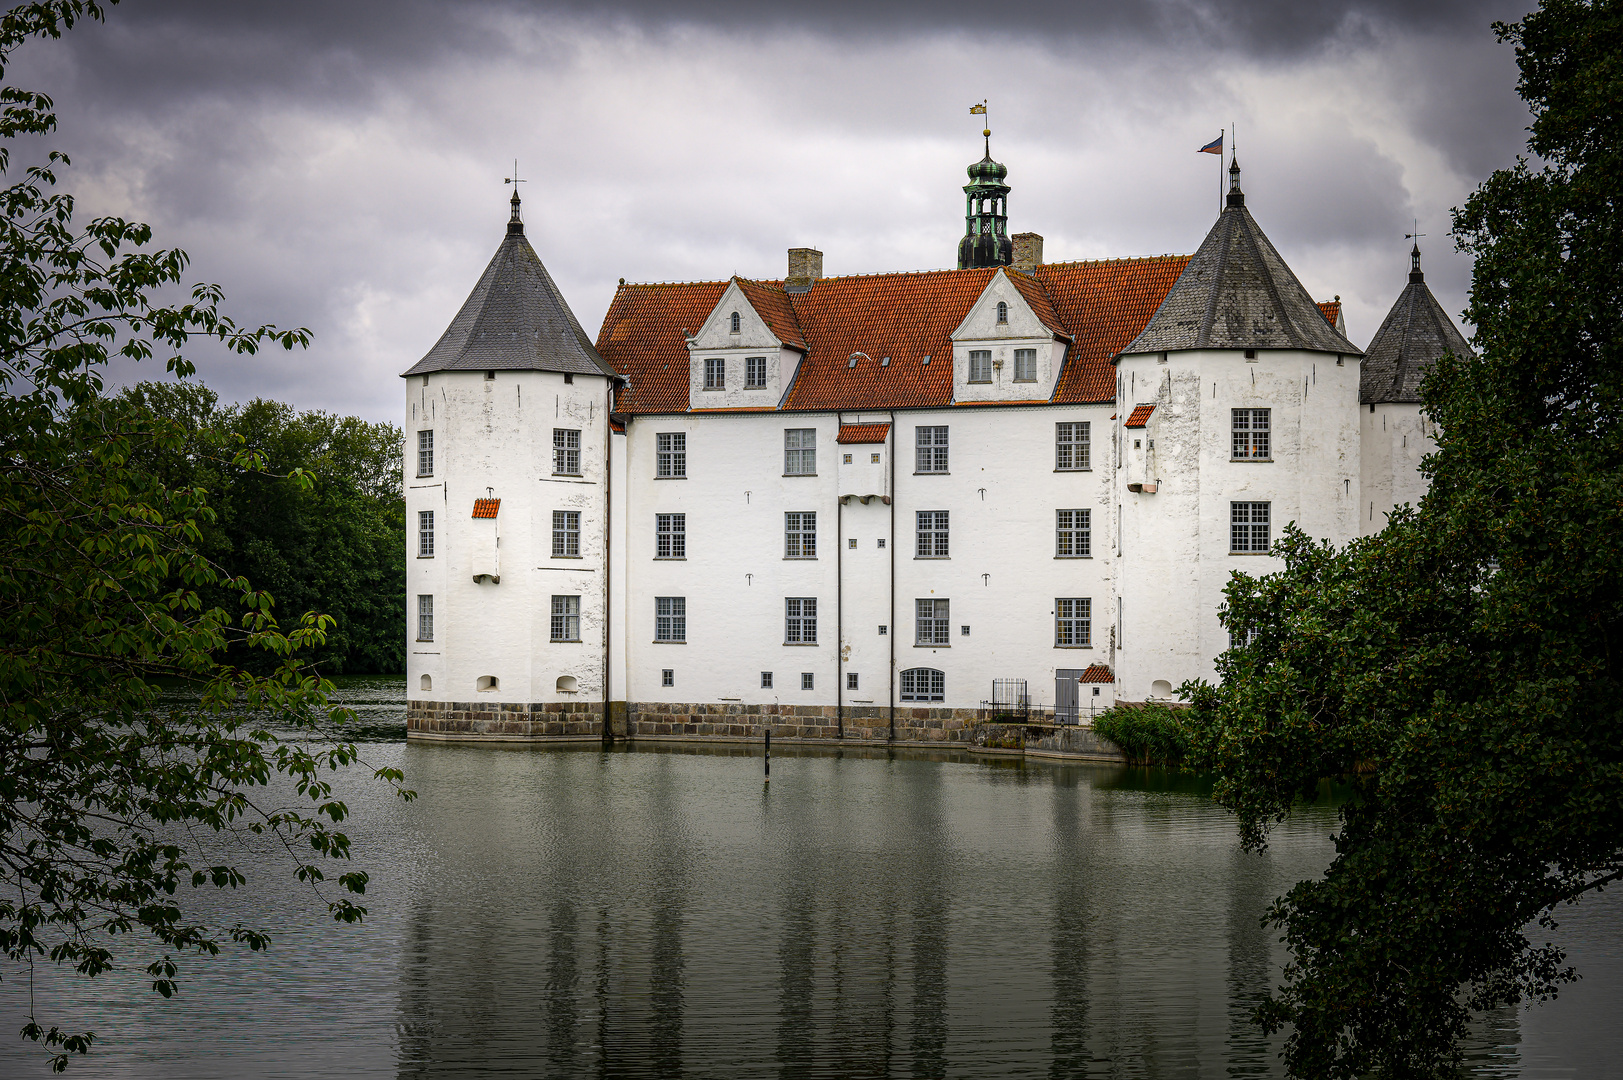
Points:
[[567, 684], [488, 682]]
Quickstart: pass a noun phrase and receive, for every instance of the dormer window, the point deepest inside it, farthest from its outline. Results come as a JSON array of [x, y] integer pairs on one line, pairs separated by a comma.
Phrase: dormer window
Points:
[[735, 323], [1002, 313], [980, 365]]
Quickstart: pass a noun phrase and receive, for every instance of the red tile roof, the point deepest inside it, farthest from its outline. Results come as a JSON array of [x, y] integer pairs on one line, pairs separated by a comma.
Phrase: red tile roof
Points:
[[863, 433], [1098, 673], [907, 316], [1106, 304], [1331, 310], [486, 508], [1140, 417]]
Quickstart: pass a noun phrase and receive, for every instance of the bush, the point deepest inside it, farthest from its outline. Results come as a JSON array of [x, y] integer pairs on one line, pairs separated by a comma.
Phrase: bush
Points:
[[1149, 733]]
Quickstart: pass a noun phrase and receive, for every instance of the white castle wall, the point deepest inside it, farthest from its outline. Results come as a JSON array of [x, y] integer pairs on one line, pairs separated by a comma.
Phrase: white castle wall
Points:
[[1395, 437]]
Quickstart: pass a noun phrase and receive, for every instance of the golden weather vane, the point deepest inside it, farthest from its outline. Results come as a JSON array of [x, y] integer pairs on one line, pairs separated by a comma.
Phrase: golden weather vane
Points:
[[980, 110]]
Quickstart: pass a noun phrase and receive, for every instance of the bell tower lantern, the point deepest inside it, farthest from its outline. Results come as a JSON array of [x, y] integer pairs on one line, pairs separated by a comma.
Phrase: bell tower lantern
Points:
[[986, 215]]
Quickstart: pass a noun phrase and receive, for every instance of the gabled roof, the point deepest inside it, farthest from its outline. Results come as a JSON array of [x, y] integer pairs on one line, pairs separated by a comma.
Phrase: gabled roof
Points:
[[1100, 306], [771, 303], [1331, 310], [1416, 333], [514, 320], [1140, 417], [1237, 293], [1098, 673]]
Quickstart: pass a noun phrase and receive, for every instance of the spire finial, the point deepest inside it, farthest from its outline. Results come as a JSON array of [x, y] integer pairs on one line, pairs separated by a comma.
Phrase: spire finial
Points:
[[1415, 276], [1236, 196], [515, 224]]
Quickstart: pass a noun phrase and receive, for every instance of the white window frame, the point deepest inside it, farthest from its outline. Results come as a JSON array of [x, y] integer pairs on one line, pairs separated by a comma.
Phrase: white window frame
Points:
[[565, 451], [670, 536], [808, 680], [930, 449], [1073, 534], [934, 531], [565, 618], [425, 617], [754, 372], [934, 686], [425, 534], [766, 680], [933, 617], [1073, 622], [671, 454], [852, 682], [800, 451], [1073, 446], [1025, 365], [566, 534], [734, 324], [800, 534], [980, 365], [1252, 431], [715, 373], [425, 452], [1249, 525], [800, 620], [1002, 312], [671, 618]]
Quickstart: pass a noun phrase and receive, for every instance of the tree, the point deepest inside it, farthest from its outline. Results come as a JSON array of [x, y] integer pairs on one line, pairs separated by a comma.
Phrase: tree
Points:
[[102, 585], [1464, 668]]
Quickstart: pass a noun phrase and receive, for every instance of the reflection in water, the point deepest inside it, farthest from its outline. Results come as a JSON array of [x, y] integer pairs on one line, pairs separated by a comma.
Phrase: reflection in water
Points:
[[658, 913]]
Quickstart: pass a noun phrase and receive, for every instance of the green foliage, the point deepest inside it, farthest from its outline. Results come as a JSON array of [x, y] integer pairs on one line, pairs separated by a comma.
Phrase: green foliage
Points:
[[109, 801], [1149, 733], [336, 545], [1462, 669]]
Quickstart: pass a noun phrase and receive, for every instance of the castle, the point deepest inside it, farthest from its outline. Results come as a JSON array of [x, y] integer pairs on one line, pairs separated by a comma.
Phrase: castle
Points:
[[880, 508]]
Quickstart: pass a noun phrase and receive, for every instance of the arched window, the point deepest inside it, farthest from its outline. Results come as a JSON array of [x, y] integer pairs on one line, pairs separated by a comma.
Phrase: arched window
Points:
[[923, 684], [1002, 312], [426, 683], [735, 322], [488, 682], [567, 684]]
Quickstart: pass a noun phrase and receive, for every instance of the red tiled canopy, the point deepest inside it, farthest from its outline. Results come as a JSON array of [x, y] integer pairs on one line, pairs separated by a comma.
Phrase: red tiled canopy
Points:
[[1140, 417], [863, 433], [486, 508]]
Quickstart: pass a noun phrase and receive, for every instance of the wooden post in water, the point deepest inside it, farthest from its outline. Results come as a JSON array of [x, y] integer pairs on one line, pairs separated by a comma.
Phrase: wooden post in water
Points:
[[768, 755]]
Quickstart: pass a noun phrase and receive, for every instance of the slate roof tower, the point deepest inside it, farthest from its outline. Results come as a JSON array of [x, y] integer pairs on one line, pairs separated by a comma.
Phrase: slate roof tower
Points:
[[986, 215], [1415, 334]]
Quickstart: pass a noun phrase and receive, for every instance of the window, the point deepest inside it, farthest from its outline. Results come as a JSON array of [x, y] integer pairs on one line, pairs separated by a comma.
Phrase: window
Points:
[[800, 536], [880, 542], [800, 620], [490, 376], [734, 326], [670, 536], [851, 543], [1250, 434], [569, 378], [754, 372], [980, 366], [873, 458], [667, 677], [1002, 312], [425, 534], [425, 618], [1073, 534], [671, 453], [850, 680], [1071, 446], [933, 618], [670, 619], [1248, 526], [848, 459], [565, 452], [1243, 638], [425, 453], [766, 680], [566, 618], [883, 629], [931, 449], [715, 374], [1025, 365], [923, 684], [1073, 621], [800, 451], [565, 534], [932, 534], [806, 680]]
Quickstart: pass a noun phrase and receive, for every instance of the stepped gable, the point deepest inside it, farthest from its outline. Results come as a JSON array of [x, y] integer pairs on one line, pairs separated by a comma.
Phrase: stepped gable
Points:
[[514, 320], [1105, 304], [1416, 333], [642, 336], [1097, 306], [1237, 293]]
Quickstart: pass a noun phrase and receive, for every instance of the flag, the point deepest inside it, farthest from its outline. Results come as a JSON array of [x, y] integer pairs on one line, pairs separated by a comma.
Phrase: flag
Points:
[[977, 109], [1213, 147]]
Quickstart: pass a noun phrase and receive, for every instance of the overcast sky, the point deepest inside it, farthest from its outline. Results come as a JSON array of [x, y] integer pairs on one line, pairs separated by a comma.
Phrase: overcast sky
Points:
[[339, 165]]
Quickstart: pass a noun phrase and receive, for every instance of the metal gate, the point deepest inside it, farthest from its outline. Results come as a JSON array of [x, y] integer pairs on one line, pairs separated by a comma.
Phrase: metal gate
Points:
[[1068, 695]]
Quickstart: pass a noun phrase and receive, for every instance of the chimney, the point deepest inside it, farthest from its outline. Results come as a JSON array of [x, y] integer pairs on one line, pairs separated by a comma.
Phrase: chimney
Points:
[[805, 267], [1028, 251]]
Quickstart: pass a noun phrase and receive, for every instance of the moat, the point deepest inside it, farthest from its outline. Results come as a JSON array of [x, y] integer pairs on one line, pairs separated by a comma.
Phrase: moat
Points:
[[659, 911]]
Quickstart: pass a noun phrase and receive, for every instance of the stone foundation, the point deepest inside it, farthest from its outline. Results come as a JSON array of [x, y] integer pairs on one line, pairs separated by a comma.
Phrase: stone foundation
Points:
[[482, 721], [799, 723]]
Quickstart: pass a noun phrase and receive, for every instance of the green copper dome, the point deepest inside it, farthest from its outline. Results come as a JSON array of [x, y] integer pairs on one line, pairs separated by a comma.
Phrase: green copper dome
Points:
[[987, 171]]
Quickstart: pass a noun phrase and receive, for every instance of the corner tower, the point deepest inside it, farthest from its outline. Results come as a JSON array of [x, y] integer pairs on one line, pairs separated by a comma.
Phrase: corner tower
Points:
[[505, 473], [1396, 434], [1236, 414], [986, 215]]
